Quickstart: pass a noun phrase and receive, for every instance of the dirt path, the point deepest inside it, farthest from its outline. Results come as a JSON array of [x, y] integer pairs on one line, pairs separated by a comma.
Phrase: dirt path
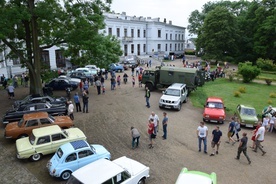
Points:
[[108, 123]]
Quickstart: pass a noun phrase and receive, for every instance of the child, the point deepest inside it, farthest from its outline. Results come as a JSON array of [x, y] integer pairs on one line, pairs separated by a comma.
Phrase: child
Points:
[[133, 81], [103, 89]]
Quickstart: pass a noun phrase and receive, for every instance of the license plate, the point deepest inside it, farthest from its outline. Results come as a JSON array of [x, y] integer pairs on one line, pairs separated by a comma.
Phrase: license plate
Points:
[[249, 125], [168, 107], [214, 121]]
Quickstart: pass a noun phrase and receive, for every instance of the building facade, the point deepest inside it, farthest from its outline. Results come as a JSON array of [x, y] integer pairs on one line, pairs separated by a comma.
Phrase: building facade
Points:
[[145, 36]]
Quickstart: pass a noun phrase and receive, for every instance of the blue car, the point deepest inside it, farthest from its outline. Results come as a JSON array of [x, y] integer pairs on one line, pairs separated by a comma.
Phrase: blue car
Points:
[[74, 155], [116, 67]]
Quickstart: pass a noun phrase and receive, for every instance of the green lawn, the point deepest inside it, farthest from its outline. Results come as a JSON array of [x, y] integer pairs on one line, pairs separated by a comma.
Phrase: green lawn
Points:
[[256, 95]]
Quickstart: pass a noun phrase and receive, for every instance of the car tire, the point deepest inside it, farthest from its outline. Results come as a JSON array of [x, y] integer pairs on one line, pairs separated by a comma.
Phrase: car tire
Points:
[[65, 175], [36, 157], [186, 100], [150, 86], [142, 181], [179, 107]]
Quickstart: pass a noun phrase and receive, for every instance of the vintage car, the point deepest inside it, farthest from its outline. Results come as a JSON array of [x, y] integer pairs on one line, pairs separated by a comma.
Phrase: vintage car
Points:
[[39, 98], [67, 76], [79, 75], [46, 140], [16, 114], [24, 127], [74, 155], [116, 67], [122, 170], [61, 84], [196, 177], [214, 110], [246, 115]]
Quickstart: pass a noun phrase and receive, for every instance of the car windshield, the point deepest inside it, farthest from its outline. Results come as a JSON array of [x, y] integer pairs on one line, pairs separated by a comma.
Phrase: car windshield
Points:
[[26, 99], [66, 133], [172, 92], [250, 112], [51, 118], [20, 122], [216, 105], [32, 139], [59, 152], [48, 104], [92, 148]]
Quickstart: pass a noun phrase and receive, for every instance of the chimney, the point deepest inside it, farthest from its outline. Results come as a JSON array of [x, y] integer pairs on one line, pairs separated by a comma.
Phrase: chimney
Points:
[[170, 22], [165, 21]]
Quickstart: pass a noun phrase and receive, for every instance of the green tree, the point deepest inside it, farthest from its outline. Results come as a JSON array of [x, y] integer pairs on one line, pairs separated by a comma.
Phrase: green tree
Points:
[[248, 71], [28, 27], [218, 35]]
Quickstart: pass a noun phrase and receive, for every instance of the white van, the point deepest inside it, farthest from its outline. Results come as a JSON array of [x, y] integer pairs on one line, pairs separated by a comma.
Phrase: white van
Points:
[[122, 170]]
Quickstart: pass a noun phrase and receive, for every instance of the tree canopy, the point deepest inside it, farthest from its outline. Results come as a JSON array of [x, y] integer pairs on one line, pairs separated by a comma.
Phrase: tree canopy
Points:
[[248, 29], [28, 27]]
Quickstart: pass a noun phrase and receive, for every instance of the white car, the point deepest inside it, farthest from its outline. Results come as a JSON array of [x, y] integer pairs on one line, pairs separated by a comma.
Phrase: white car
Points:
[[93, 67], [87, 71], [122, 170], [69, 78], [174, 96]]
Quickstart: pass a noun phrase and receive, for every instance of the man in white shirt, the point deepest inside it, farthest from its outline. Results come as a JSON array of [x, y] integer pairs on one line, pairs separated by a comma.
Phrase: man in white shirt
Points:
[[260, 138], [70, 110], [202, 133], [155, 121]]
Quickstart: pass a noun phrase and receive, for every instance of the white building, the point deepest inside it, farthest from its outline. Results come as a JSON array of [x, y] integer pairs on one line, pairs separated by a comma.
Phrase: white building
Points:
[[138, 36], [141, 36]]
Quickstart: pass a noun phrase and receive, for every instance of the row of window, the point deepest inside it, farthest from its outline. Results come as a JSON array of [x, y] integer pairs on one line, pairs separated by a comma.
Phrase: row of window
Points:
[[171, 35], [177, 47]]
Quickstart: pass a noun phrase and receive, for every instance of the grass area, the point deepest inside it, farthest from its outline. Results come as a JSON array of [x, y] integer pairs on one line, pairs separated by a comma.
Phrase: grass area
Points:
[[267, 76], [256, 95]]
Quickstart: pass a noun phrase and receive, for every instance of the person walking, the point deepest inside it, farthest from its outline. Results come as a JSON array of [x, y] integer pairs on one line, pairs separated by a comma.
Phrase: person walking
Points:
[[119, 81], [10, 90], [165, 124], [202, 133], [147, 96], [77, 102], [140, 76], [272, 122], [135, 137], [85, 102], [259, 138], [133, 81], [98, 85], [236, 130], [151, 132], [243, 147], [216, 136], [231, 128], [155, 121], [70, 110]]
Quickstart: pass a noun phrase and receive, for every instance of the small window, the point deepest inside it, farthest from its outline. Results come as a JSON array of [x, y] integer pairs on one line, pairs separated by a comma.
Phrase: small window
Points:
[[32, 123], [159, 33], [43, 140], [108, 181], [85, 153], [57, 137], [71, 157], [45, 121]]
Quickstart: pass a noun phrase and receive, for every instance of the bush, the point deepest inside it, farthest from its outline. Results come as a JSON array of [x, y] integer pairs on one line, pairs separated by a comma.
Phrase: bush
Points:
[[242, 89], [266, 64], [272, 95], [248, 71], [269, 101], [237, 94], [268, 81]]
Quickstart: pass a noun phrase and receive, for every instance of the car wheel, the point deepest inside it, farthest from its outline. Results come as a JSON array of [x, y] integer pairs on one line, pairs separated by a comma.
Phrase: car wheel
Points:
[[65, 175], [222, 122], [186, 100], [36, 157], [179, 107], [149, 85], [142, 181], [22, 136]]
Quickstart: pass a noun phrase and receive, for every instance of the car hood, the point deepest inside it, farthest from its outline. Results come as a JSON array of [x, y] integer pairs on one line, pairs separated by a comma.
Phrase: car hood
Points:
[[23, 144], [245, 117], [214, 111], [132, 166], [63, 119], [75, 133], [169, 97], [100, 150]]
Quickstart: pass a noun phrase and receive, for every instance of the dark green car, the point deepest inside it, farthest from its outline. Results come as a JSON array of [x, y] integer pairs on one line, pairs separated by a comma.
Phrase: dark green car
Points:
[[246, 115]]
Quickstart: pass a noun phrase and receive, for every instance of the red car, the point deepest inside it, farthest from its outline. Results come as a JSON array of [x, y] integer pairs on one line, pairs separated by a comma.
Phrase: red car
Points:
[[214, 110]]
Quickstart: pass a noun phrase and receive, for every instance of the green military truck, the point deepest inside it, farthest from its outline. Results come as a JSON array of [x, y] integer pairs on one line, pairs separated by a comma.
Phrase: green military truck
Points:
[[164, 76]]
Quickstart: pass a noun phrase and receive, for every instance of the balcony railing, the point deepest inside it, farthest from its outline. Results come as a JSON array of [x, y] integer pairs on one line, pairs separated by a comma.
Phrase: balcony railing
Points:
[[127, 39]]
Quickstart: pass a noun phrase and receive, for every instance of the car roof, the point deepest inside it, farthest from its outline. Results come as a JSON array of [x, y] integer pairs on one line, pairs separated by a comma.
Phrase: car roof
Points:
[[35, 115], [195, 177], [54, 129], [214, 99], [177, 85], [75, 145], [101, 169], [247, 106]]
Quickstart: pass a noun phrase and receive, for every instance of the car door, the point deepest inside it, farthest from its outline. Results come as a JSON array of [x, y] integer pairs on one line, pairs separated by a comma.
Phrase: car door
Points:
[[62, 84], [85, 157], [30, 125], [43, 145], [58, 140], [45, 122], [71, 161]]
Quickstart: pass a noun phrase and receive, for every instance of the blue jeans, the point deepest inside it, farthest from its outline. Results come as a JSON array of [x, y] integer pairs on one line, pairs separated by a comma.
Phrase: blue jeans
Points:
[[147, 101], [85, 107], [204, 139], [165, 131], [137, 141]]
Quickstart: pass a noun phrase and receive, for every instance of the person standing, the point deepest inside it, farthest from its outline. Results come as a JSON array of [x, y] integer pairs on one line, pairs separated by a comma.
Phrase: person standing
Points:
[[216, 136], [133, 81], [202, 133], [77, 102], [119, 81], [85, 102], [11, 91], [70, 110], [165, 124], [272, 122], [98, 85], [243, 147], [155, 121], [147, 96], [259, 138], [266, 111], [140, 76], [236, 130], [150, 63], [231, 128], [151, 132], [135, 137], [266, 121]]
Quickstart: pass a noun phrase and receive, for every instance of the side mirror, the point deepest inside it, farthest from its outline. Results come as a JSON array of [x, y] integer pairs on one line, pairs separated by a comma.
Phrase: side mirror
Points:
[[163, 92]]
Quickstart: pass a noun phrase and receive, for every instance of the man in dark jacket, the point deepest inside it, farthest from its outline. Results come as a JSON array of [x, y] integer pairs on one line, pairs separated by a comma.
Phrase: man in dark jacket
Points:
[[147, 96], [85, 102]]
